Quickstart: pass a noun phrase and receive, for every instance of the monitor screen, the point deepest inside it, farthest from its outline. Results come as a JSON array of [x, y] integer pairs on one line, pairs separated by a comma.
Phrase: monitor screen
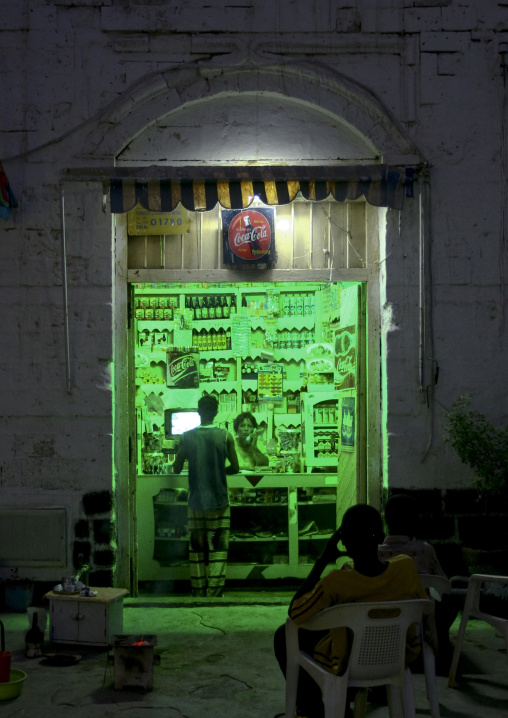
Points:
[[176, 421]]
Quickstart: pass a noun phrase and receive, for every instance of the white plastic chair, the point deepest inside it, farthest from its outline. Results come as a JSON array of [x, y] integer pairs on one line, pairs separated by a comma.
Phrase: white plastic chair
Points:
[[377, 656], [472, 610], [435, 586]]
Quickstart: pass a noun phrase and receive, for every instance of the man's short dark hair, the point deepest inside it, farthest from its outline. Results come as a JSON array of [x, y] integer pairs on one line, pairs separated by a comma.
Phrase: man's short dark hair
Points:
[[362, 521], [208, 406]]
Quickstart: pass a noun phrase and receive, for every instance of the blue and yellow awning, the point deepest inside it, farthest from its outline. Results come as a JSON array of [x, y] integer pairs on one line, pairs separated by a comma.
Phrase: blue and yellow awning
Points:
[[161, 189]]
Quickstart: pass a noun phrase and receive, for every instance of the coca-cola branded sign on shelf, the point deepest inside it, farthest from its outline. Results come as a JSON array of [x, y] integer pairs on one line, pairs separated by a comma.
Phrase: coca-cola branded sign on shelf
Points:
[[248, 236]]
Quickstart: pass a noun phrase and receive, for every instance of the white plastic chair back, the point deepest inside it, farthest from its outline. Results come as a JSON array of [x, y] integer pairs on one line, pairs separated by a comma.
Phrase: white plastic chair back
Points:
[[472, 610], [377, 655]]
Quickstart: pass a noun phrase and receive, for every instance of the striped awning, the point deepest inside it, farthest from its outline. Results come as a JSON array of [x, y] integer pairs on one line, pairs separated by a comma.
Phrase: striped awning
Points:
[[202, 188]]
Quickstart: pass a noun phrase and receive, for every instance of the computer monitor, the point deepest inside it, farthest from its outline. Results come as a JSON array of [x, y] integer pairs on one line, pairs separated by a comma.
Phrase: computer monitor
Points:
[[176, 421]]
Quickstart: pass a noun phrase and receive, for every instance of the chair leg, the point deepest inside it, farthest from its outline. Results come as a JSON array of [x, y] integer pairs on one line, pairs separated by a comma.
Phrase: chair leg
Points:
[[409, 695], [396, 707], [429, 662], [334, 700], [458, 647], [360, 710], [292, 673]]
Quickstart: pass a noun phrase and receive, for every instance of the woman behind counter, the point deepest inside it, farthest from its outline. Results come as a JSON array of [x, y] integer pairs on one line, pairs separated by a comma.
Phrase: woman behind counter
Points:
[[246, 437]]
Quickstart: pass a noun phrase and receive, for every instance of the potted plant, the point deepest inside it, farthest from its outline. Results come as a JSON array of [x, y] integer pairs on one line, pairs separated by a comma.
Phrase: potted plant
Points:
[[18, 592], [480, 445], [484, 448]]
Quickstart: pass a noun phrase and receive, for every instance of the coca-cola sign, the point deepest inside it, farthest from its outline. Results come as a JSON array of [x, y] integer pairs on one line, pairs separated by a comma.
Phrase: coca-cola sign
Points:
[[182, 368], [248, 235]]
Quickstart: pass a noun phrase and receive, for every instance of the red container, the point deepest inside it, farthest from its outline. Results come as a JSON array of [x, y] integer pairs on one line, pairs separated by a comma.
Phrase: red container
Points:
[[5, 666]]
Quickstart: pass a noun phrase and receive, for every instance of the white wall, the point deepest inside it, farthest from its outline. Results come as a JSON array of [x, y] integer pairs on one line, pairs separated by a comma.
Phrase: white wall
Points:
[[402, 81]]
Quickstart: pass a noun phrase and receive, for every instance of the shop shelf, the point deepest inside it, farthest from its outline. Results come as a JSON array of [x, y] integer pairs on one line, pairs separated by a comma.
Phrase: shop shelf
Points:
[[217, 354], [218, 386], [154, 325], [221, 323]]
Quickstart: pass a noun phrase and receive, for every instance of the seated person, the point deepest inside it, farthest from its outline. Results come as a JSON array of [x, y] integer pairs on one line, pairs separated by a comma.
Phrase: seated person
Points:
[[402, 521], [371, 579], [246, 437]]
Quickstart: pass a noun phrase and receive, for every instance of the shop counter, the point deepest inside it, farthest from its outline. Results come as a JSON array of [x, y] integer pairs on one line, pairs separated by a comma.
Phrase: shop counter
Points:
[[279, 523]]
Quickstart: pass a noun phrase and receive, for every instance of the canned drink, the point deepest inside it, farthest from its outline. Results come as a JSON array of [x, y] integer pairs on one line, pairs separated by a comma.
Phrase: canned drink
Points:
[[158, 313], [163, 302], [143, 302], [149, 314], [140, 313], [182, 367], [154, 302], [167, 313]]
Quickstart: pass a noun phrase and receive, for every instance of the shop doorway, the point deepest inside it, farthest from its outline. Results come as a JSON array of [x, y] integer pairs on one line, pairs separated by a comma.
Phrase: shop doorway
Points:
[[290, 353], [341, 236]]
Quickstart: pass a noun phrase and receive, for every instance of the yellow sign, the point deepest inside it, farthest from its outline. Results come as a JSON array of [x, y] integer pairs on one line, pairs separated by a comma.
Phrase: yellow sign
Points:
[[142, 221]]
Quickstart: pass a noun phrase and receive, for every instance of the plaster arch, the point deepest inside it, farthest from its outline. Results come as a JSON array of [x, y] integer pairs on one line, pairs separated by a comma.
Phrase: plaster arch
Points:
[[332, 102]]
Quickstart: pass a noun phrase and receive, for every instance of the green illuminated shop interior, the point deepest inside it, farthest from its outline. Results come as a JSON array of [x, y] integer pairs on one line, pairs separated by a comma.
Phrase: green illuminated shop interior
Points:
[[286, 352]]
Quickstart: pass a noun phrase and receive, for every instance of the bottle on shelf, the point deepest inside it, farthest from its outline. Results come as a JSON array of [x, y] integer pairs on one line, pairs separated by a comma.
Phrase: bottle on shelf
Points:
[[218, 308], [232, 306], [244, 304], [204, 308], [211, 307], [187, 302], [209, 346], [228, 338], [213, 339], [197, 308], [225, 307]]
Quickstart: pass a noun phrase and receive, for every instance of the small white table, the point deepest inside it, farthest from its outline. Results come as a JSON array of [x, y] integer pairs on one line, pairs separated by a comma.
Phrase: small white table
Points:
[[89, 620]]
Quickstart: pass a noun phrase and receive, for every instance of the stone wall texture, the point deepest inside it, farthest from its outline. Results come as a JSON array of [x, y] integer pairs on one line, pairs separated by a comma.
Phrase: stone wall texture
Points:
[[92, 83]]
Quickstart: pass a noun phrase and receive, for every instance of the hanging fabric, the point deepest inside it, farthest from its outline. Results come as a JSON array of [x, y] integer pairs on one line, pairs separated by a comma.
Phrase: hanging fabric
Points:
[[380, 185], [7, 199]]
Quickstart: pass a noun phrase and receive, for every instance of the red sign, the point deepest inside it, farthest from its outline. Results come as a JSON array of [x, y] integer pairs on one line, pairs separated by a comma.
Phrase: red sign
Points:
[[249, 235]]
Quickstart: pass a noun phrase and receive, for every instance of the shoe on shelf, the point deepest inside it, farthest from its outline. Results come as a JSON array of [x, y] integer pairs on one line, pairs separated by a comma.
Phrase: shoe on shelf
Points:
[[308, 529]]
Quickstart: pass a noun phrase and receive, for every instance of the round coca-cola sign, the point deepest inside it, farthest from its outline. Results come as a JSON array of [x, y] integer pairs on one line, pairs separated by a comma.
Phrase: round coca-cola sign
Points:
[[249, 235]]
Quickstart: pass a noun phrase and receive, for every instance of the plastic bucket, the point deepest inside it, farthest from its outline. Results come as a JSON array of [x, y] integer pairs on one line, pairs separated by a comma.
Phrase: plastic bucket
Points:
[[13, 688], [18, 598]]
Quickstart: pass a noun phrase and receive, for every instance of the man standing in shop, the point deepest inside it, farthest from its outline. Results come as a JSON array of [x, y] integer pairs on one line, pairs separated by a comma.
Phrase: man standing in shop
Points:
[[206, 448]]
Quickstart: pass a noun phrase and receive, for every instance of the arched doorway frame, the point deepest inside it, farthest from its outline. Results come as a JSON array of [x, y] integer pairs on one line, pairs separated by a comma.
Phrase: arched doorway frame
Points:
[[352, 106]]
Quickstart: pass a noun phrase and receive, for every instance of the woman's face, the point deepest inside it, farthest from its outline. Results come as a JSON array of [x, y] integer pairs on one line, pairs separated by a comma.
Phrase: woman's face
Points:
[[245, 429]]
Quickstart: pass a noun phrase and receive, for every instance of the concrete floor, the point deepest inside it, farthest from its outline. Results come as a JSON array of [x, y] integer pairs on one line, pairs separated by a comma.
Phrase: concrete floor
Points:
[[217, 662]]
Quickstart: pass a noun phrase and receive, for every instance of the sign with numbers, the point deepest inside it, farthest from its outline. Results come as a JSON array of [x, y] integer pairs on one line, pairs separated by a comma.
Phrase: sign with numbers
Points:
[[142, 221]]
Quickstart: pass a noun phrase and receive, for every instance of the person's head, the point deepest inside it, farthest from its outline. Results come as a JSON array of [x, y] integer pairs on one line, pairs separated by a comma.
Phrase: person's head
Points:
[[401, 515], [244, 424], [361, 530], [208, 406]]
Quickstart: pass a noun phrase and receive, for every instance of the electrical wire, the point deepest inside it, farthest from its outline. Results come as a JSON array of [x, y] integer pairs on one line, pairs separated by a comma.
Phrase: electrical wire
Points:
[[348, 236]]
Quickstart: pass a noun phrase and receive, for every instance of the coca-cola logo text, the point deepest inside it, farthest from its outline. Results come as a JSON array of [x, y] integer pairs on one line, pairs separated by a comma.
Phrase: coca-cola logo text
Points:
[[249, 235], [181, 365]]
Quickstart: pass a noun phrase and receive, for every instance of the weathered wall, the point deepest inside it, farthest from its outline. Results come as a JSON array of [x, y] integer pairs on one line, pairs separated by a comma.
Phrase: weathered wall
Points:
[[399, 79]]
